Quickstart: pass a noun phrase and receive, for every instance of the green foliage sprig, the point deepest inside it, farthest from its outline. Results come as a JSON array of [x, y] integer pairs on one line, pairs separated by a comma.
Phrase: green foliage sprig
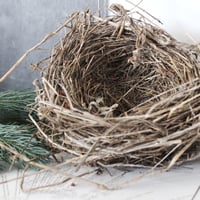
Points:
[[21, 139], [13, 106]]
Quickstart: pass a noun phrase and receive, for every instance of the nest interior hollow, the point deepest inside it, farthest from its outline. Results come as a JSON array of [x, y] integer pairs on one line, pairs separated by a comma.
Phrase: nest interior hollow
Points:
[[102, 65]]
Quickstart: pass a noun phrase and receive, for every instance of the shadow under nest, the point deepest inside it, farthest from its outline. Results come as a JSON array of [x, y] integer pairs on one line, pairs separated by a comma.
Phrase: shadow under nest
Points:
[[120, 92]]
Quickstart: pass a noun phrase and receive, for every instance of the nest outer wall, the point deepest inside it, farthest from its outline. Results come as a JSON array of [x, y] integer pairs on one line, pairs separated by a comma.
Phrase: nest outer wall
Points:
[[120, 92]]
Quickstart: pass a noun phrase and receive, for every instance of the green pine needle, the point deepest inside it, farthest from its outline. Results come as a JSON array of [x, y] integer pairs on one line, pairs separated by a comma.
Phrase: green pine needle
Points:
[[20, 138], [13, 106]]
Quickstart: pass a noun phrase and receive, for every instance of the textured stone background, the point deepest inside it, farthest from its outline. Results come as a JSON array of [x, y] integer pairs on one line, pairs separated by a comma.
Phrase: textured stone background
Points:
[[23, 23]]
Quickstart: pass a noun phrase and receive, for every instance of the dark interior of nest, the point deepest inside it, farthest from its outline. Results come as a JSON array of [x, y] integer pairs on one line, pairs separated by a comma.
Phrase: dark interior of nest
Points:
[[105, 66]]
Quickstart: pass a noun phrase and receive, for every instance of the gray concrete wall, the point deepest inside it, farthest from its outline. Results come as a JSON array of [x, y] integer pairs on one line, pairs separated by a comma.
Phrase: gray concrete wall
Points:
[[23, 23]]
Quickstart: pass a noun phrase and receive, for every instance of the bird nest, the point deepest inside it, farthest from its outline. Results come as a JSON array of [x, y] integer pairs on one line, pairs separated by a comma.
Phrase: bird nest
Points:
[[119, 91]]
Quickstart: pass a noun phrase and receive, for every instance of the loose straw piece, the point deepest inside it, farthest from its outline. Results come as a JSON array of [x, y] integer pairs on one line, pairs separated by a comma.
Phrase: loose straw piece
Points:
[[50, 168], [47, 37]]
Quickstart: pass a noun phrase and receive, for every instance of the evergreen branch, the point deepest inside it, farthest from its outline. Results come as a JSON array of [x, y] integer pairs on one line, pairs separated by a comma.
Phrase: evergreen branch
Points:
[[20, 138], [13, 106]]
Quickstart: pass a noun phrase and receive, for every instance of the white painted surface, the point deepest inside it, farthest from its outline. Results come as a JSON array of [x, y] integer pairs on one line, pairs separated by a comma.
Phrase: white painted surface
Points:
[[177, 184], [179, 17]]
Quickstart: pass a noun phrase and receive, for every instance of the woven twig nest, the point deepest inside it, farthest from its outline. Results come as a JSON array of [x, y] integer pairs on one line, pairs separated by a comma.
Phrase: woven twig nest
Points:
[[120, 92]]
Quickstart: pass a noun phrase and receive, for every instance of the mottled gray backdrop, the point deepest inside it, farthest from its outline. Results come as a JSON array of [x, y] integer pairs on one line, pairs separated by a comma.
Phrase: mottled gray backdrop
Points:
[[23, 23]]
